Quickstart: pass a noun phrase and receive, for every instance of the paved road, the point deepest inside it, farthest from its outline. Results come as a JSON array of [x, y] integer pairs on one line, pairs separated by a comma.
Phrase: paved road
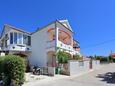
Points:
[[102, 77]]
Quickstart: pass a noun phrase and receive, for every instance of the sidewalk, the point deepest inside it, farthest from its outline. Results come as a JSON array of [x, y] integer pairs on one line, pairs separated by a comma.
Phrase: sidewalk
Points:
[[42, 78]]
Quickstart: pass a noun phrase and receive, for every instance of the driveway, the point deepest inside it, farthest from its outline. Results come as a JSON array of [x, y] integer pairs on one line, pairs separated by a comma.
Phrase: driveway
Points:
[[102, 77]]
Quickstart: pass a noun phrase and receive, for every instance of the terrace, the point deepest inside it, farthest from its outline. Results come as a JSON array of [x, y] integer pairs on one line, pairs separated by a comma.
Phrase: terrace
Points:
[[63, 40]]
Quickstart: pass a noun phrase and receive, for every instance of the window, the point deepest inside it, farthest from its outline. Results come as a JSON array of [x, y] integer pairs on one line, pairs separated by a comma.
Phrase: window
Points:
[[11, 38], [15, 38], [6, 38], [29, 40], [20, 38], [25, 39]]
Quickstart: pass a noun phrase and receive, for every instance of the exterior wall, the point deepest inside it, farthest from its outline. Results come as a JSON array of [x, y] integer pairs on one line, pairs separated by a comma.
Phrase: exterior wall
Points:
[[40, 47], [7, 30], [78, 67], [14, 47], [95, 64], [51, 71]]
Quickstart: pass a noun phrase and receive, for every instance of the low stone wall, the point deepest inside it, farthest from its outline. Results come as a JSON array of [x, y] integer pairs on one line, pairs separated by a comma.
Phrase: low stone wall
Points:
[[78, 67], [75, 67], [95, 64], [51, 71]]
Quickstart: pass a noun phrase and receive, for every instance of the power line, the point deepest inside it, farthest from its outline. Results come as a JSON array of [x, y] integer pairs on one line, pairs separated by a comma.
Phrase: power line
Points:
[[101, 43]]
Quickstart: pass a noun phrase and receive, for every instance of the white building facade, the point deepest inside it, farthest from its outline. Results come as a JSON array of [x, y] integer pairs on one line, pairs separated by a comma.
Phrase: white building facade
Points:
[[41, 46], [15, 41], [48, 40]]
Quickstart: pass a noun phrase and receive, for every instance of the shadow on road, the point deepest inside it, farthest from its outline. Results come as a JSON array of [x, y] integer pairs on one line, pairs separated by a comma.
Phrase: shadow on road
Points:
[[108, 77]]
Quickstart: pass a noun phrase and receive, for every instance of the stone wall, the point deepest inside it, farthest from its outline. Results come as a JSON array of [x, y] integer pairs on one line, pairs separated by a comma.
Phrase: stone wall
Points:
[[78, 67], [95, 64], [51, 71]]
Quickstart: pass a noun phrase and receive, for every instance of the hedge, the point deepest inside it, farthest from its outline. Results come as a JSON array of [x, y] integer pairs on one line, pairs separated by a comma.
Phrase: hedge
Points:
[[13, 70], [1, 67]]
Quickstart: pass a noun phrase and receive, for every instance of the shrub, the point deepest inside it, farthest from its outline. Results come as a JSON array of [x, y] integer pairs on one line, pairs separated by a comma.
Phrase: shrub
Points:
[[1, 67], [63, 57], [14, 70], [77, 57]]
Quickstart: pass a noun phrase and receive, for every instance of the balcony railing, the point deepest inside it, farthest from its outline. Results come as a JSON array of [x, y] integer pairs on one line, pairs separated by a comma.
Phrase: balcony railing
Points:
[[68, 48], [17, 47], [64, 46]]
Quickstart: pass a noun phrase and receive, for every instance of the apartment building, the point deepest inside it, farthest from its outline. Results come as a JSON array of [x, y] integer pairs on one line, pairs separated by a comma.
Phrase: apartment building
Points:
[[41, 46]]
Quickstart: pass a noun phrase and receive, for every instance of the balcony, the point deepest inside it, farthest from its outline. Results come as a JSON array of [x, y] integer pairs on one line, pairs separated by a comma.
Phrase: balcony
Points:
[[64, 46], [68, 48], [17, 47], [65, 40], [51, 45]]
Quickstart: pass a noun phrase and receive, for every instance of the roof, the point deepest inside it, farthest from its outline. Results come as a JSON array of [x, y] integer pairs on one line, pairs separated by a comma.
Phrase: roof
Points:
[[113, 54], [12, 27], [76, 41], [18, 29], [64, 23]]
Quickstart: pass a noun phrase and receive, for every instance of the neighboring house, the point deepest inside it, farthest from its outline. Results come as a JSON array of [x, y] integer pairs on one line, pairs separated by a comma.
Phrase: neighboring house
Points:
[[113, 55], [49, 39], [15, 41], [42, 45]]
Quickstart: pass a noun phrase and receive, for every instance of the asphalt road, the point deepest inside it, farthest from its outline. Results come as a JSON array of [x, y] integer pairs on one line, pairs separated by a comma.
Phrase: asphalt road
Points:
[[102, 77]]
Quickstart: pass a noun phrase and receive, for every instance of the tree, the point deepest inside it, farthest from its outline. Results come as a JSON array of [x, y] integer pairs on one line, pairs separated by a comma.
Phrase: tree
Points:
[[77, 57], [110, 58], [62, 57]]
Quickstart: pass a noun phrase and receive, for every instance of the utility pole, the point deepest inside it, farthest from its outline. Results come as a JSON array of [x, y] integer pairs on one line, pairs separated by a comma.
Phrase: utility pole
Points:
[[111, 52]]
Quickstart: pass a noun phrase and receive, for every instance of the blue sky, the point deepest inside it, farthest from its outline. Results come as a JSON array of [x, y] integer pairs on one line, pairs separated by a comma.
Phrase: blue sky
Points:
[[92, 20]]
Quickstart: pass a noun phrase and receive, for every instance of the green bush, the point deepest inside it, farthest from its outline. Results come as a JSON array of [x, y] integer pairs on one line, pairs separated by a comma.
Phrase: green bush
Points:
[[77, 57], [1, 67], [14, 70], [63, 57], [110, 58]]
